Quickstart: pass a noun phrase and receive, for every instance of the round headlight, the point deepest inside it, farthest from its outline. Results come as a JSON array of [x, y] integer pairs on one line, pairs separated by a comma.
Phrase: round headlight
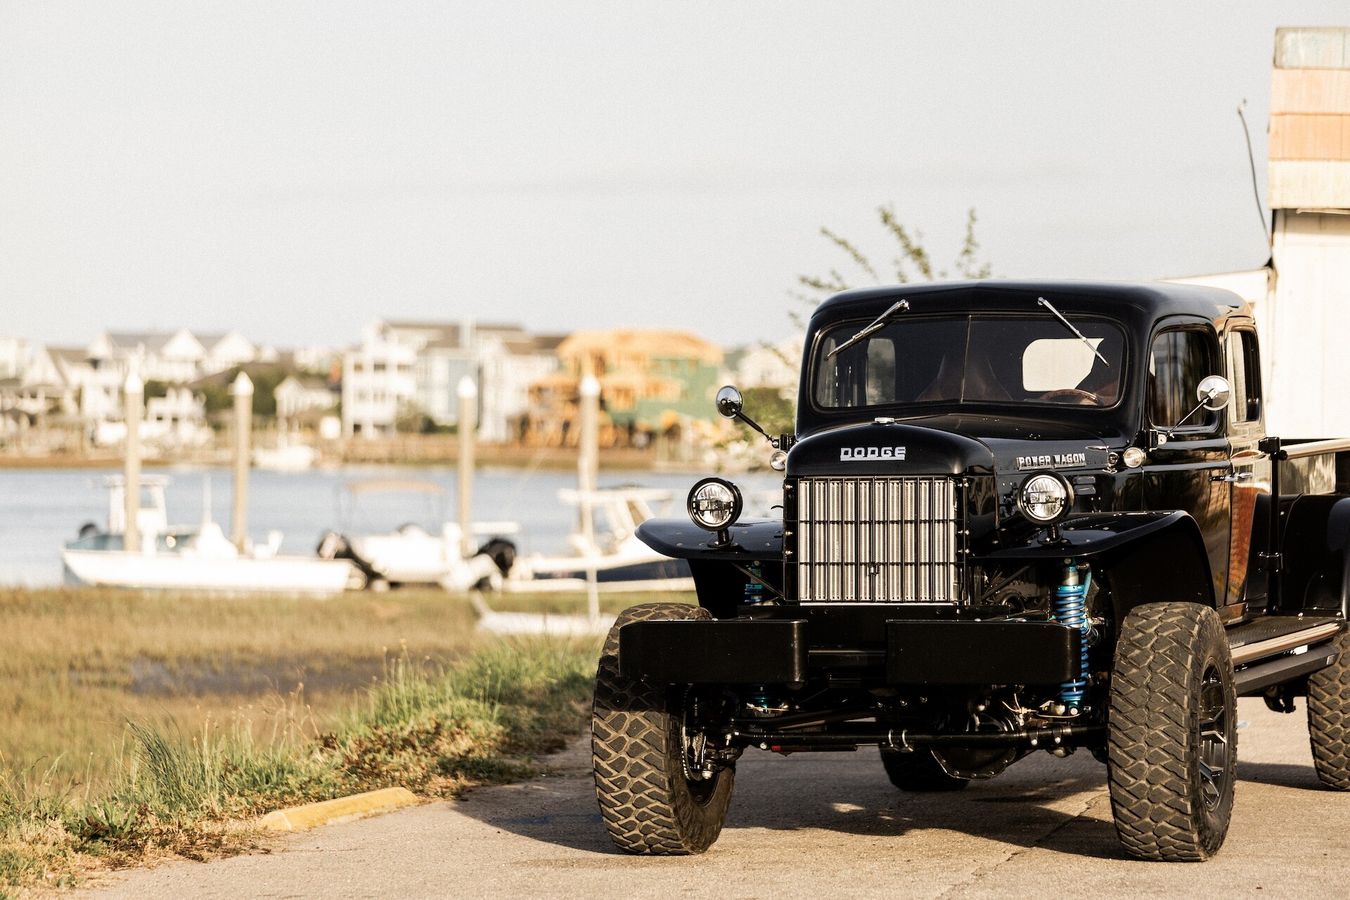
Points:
[[714, 504], [1045, 498]]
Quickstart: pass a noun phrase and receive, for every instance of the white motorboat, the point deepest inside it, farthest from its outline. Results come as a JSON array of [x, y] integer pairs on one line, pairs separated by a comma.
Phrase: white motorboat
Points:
[[285, 457], [191, 558], [608, 552], [412, 554]]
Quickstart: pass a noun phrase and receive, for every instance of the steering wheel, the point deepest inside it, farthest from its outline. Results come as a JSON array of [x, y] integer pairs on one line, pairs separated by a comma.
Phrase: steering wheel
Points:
[[1085, 396]]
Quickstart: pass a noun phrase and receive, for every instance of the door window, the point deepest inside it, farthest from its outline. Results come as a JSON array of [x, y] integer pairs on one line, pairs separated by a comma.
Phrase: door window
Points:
[[1177, 362]]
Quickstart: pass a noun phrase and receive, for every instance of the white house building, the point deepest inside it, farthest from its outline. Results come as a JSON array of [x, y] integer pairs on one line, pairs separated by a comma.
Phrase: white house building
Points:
[[300, 394], [776, 366], [221, 351], [416, 366], [178, 418], [377, 381], [172, 357], [94, 384]]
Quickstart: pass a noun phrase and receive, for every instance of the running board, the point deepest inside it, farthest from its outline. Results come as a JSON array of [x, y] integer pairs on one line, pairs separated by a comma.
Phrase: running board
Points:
[[1276, 649], [1254, 679], [1245, 652]]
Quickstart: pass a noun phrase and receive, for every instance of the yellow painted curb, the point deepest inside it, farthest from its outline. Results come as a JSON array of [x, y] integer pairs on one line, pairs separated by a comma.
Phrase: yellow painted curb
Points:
[[299, 818]]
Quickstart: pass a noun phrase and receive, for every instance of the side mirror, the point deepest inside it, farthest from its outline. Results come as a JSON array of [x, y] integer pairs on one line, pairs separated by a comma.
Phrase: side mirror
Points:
[[729, 402], [1213, 392]]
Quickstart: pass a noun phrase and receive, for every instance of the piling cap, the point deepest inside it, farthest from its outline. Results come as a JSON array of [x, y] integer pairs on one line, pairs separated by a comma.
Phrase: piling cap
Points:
[[242, 386], [467, 389], [590, 386]]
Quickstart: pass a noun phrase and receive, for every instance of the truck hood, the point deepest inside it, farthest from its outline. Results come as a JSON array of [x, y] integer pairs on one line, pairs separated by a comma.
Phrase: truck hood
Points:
[[889, 448], [951, 445]]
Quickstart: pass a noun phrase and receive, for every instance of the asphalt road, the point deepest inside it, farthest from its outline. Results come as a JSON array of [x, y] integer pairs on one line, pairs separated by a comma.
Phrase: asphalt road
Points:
[[812, 825]]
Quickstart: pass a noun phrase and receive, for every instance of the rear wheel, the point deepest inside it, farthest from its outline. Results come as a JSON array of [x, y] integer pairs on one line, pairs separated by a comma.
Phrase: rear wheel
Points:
[[1172, 735], [1329, 718], [919, 772], [651, 800]]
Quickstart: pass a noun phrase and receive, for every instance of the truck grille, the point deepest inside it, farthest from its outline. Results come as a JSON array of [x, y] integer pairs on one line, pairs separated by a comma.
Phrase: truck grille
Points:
[[876, 540]]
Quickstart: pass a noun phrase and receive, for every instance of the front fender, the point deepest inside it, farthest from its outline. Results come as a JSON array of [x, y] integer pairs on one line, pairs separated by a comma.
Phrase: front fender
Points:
[[1146, 556], [752, 540], [1092, 534], [722, 574]]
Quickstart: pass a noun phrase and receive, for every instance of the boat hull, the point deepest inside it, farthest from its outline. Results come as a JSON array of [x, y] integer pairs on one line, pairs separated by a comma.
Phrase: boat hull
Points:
[[273, 575]]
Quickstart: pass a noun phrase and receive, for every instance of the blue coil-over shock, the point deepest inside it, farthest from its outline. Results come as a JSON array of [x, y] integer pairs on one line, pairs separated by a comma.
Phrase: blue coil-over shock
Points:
[[1071, 611]]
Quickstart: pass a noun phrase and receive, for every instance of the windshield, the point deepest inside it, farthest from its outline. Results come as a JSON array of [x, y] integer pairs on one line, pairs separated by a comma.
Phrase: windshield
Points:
[[971, 359]]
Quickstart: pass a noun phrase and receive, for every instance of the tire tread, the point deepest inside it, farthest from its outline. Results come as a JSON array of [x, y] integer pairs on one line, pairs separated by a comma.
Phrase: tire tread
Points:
[[643, 808]]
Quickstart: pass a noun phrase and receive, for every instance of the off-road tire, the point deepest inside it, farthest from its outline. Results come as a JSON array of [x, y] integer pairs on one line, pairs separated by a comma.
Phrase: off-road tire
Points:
[[919, 772], [647, 804], [1172, 734], [1329, 718]]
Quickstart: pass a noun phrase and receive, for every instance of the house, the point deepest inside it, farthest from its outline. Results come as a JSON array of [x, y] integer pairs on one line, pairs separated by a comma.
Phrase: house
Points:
[[509, 362], [377, 381], [177, 418], [225, 350], [171, 357], [502, 359], [768, 365], [31, 386], [93, 384], [650, 382], [298, 395]]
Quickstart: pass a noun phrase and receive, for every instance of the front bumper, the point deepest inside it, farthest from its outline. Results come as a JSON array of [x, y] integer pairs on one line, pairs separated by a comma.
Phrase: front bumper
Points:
[[781, 651]]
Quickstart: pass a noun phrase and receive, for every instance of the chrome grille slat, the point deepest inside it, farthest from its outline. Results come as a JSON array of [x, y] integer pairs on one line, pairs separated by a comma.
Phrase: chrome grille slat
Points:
[[877, 540]]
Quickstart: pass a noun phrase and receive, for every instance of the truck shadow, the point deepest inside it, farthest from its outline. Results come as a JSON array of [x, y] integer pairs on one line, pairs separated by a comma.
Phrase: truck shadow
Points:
[[1052, 805], [1286, 775]]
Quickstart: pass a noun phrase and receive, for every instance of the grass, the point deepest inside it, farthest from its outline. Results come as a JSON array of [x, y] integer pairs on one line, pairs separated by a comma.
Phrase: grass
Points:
[[139, 725]]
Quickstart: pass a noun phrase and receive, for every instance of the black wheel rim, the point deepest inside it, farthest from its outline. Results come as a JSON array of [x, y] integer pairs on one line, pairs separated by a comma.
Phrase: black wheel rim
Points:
[[1212, 727]]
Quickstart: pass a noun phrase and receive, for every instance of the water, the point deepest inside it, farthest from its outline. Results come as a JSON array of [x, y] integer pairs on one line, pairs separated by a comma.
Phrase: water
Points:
[[41, 509]]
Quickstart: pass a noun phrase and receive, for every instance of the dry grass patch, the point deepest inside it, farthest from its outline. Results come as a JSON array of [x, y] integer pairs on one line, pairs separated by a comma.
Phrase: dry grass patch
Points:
[[138, 724]]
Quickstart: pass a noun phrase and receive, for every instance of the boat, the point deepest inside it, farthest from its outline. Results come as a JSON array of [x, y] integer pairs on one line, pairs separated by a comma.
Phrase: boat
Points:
[[191, 558], [285, 457], [413, 554], [605, 549]]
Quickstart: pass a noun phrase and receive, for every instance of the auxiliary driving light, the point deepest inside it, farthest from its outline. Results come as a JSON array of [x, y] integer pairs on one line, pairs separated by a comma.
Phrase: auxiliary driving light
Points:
[[1045, 498], [715, 504]]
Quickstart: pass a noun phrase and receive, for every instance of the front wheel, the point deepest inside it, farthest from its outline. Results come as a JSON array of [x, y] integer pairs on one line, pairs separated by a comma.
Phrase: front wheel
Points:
[[651, 801], [1172, 734]]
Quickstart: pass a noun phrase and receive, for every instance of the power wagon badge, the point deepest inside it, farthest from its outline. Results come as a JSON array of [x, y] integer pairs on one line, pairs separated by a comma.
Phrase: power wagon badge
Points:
[[1052, 461]]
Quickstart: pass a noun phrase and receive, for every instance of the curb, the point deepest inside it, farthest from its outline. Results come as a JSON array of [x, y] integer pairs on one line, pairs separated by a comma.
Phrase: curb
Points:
[[310, 815]]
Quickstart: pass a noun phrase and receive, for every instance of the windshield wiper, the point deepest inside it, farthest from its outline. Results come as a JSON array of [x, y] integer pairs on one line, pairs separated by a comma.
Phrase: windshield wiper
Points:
[[898, 306], [1069, 325]]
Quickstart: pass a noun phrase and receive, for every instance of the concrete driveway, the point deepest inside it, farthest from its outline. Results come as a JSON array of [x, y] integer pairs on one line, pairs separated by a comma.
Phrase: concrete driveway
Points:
[[812, 825]]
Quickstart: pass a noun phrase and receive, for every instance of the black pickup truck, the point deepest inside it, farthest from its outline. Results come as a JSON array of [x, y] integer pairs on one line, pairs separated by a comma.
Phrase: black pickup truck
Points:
[[1017, 517]]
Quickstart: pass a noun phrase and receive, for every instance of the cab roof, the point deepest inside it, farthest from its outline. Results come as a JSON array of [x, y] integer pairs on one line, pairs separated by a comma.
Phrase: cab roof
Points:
[[1137, 303]]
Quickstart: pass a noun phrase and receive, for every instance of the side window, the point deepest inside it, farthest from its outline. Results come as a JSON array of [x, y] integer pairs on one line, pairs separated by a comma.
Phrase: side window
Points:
[[1177, 362], [1244, 371]]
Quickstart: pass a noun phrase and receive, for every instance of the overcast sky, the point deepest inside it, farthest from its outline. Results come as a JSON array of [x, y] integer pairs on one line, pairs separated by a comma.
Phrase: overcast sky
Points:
[[296, 170]]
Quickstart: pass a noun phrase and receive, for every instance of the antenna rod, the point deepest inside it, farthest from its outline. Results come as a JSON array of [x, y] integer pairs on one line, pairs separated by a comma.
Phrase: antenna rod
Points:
[[1251, 164]]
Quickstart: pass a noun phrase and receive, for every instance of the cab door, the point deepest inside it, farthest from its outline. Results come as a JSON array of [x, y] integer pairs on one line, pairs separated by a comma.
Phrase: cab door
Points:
[[1190, 470]]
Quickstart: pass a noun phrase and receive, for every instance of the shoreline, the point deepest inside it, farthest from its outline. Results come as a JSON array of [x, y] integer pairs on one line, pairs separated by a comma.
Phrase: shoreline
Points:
[[401, 454]]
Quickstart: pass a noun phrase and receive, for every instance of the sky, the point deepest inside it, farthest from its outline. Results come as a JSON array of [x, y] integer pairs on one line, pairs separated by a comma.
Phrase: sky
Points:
[[298, 170]]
